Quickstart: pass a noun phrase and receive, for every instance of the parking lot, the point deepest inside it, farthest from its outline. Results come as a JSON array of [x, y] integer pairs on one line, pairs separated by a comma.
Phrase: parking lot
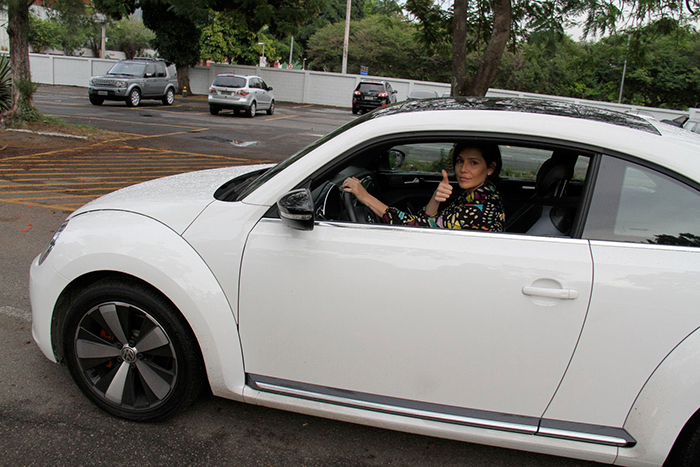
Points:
[[44, 419]]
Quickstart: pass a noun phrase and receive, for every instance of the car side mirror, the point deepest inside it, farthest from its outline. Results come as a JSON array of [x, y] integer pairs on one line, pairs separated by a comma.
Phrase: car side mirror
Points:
[[396, 158], [269, 88], [394, 91], [296, 209]]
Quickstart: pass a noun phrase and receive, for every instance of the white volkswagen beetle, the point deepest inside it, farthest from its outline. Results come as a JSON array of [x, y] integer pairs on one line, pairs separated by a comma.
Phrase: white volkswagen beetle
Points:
[[573, 333]]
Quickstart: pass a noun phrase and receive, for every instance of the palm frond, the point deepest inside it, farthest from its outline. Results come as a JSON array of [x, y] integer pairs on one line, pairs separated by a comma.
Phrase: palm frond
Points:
[[6, 97]]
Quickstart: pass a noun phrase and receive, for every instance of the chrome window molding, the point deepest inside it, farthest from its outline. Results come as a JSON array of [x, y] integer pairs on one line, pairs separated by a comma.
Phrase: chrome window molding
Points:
[[609, 436]]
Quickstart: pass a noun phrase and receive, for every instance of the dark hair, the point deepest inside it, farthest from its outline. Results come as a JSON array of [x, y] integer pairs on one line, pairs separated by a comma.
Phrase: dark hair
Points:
[[489, 152]]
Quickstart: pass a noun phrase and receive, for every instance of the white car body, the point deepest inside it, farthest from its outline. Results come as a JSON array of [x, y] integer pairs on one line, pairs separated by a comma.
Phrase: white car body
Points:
[[377, 324]]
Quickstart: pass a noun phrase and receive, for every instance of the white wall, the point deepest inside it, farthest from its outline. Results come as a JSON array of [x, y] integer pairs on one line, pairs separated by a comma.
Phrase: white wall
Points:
[[4, 38], [307, 87]]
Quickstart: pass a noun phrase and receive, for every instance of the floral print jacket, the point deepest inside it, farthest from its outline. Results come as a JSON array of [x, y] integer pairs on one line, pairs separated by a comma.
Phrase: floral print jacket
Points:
[[480, 210]]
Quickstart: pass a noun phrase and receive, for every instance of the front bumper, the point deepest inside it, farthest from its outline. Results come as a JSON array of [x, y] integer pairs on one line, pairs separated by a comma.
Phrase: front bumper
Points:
[[45, 286], [108, 93]]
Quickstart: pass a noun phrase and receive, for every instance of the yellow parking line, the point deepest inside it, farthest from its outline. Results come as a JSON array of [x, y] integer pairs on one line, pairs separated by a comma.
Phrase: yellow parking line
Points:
[[161, 164], [62, 190], [303, 106], [64, 207], [96, 174], [45, 197], [42, 177], [74, 183], [279, 118]]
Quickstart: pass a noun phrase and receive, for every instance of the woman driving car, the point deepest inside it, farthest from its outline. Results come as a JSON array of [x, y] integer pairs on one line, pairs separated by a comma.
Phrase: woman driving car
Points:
[[478, 207]]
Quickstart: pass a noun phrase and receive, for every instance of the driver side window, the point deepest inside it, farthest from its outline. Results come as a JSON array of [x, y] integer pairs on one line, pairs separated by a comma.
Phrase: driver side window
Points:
[[540, 188]]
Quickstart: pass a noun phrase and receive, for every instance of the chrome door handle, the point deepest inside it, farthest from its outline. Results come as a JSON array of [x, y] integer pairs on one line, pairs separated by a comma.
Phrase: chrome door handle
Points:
[[564, 294], [410, 182]]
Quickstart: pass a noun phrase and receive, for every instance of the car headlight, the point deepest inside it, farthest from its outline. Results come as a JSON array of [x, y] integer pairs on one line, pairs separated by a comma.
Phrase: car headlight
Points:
[[121, 84], [92, 82], [52, 243]]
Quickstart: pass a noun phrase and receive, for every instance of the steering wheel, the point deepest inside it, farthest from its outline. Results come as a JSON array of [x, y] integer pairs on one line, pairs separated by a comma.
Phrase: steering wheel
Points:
[[349, 206]]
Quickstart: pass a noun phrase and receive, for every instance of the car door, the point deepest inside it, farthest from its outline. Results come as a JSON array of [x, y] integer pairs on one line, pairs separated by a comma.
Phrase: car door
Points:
[[475, 323], [265, 95], [644, 230], [150, 87]]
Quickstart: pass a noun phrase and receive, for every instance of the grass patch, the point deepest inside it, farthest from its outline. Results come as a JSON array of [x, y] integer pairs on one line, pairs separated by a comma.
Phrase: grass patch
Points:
[[48, 124]]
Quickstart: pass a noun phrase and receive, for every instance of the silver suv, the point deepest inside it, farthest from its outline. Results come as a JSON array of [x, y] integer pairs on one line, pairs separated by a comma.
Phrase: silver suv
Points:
[[133, 80], [238, 92]]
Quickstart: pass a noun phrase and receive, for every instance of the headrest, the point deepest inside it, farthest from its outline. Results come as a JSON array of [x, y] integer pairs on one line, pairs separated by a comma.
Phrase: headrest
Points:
[[552, 172]]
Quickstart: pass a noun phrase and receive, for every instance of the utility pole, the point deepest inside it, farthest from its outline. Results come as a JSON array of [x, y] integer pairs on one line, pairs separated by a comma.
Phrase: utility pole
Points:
[[624, 69], [347, 37]]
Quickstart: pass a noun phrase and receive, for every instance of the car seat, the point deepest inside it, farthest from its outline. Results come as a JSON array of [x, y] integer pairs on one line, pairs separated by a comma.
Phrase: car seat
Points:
[[548, 212]]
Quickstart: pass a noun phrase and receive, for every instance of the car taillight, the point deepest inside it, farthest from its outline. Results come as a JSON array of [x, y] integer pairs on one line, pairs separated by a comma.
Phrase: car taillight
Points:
[[242, 93], [357, 93], [212, 91], [383, 94]]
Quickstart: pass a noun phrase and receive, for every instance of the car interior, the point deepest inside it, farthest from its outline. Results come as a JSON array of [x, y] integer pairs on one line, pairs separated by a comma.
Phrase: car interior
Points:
[[541, 186]]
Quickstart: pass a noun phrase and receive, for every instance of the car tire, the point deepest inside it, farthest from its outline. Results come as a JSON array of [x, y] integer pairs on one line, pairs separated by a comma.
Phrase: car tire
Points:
[[252, 110], [134, 98], [355, 110], [214, 110], [130, 351], [94, 100], [271, 110], [169, 97]]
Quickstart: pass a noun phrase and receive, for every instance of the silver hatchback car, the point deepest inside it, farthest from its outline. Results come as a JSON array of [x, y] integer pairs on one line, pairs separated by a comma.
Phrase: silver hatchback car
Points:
[[238, 92]]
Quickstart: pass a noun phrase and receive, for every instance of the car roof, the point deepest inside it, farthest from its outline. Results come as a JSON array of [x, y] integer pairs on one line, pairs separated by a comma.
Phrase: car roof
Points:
[[521, 105], [234, 75], [665, 145]]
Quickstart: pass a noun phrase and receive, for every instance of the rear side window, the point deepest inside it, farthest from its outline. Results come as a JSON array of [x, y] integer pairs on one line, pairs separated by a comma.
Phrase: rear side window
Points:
[[371, 88], [632, 203], [229, 81], [160, 70]]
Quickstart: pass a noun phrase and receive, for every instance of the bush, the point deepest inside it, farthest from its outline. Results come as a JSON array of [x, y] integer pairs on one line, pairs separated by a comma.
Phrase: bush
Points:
[[44, 34]]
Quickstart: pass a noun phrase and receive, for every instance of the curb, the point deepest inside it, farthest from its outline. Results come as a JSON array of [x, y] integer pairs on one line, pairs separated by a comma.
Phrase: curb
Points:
[[46, 133]]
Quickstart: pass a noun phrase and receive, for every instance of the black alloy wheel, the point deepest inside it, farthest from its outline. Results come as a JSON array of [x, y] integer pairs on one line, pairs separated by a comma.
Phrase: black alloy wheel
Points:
[[131, 352]]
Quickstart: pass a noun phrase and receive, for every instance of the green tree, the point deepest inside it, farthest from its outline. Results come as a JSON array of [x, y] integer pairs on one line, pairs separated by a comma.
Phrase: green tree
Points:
[[130, 36], [44, 34], [486, 27], [387, 46], [225, 39], [18, 32], [178, 24]]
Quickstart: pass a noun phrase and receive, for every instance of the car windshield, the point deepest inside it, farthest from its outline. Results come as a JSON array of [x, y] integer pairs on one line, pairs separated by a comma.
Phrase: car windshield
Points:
[[371, 87], [230, 81], [129, 69], [289, 161]]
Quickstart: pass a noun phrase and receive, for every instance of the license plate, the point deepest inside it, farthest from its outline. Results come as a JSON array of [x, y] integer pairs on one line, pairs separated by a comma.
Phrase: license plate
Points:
[[225, 93], [102, 93], [370, 98]]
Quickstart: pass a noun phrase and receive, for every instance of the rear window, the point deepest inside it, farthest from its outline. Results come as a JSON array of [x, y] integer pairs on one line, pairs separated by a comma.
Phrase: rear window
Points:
[[371, 87], [230, 81]]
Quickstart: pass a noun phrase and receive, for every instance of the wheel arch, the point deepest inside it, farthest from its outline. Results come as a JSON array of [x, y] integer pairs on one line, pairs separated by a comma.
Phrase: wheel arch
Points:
[[668, 406], [166, 264], [132, 87]]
